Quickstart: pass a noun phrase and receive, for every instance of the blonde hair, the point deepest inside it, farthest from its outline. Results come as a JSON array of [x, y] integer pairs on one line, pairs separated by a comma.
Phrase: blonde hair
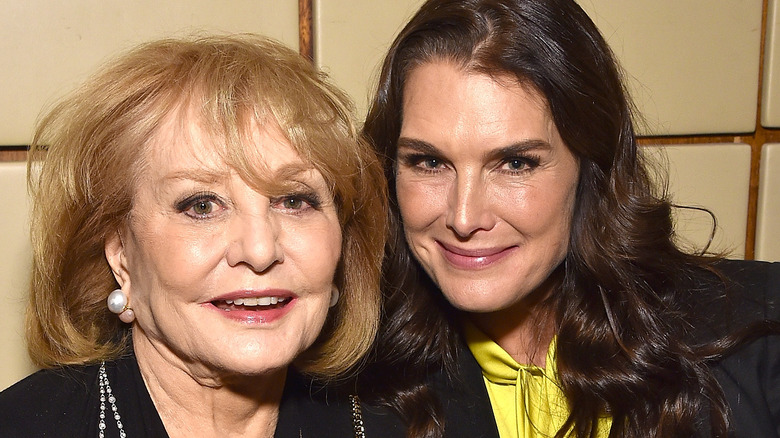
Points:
[[86, 155]]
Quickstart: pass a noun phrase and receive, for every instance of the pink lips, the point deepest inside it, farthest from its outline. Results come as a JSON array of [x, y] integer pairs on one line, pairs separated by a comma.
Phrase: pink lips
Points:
[[479, 258], [254, 307]]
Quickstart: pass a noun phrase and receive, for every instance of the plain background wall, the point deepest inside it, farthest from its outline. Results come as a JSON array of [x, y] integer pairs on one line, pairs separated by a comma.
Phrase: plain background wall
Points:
[[770, 93], [692, 65], [351, 39], [768, 226], [15, 263], [713, 176]]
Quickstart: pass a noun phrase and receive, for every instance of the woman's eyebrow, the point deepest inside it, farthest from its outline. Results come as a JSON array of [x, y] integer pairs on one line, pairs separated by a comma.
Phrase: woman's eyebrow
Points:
[[197, 174], [417, 145], [205, 175], [520, 148]]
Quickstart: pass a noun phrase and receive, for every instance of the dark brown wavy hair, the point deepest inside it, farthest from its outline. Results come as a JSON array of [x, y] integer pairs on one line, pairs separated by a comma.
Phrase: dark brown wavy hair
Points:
[[619, 311]]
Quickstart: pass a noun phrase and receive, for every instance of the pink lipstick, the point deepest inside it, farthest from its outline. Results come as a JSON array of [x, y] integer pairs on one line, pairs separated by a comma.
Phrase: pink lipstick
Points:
[[478, 258], [254, 307]]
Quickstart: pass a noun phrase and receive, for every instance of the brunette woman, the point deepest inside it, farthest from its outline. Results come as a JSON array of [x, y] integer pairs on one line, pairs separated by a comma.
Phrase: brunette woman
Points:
[[532, 260]]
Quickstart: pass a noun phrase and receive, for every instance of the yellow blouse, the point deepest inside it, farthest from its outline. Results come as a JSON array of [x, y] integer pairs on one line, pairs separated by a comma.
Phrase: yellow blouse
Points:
[[527, 400]]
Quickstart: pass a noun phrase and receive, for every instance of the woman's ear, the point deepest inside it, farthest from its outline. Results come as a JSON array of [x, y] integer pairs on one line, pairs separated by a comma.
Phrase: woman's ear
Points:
[[115, 254]]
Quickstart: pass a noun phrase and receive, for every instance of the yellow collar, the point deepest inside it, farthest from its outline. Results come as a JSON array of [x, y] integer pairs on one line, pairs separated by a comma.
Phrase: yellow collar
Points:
[[497, 365]]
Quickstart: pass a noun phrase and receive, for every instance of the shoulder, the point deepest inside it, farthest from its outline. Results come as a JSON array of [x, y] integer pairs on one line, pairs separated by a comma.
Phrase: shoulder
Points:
[[66, 402], [53, 401], [759, 280], [749, 375], [737, 294]]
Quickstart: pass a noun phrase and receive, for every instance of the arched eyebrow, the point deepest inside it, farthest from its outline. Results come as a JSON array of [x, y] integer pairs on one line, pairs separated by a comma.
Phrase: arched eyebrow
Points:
[[288, 177], [204, 174], [519, 148], [197, 174], [417, 145]]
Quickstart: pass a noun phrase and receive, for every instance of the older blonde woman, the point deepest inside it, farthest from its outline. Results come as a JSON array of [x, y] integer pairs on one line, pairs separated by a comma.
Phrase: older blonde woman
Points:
[[204, 217]]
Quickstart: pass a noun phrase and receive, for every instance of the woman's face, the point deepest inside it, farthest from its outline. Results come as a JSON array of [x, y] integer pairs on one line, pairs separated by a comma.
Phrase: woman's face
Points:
[[486, 186], [220, 276]]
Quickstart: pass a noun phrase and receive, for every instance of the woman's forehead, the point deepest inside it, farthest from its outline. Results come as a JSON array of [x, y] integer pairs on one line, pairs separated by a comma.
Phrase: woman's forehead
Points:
[[182, 149], [266, 154]]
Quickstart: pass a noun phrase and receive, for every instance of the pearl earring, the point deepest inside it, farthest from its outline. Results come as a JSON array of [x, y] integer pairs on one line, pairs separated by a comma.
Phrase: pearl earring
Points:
[[334, 296], [118, 303]]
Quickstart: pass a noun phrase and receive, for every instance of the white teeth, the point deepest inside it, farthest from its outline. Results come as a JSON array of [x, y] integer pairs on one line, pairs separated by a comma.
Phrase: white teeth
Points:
[[256, 301]]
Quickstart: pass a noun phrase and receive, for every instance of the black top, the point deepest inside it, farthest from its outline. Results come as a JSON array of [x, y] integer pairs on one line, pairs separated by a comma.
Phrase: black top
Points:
[[64, 402], [750, 376]]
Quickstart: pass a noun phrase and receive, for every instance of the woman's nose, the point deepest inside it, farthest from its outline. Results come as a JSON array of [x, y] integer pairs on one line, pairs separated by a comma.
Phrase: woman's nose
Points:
[[255, 241], [469, 209]]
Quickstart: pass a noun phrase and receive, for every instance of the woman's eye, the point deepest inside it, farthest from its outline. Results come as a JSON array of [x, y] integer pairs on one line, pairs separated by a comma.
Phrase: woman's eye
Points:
[[199, 206], [202, 208], [519, 164], [299, 202], [430, 163], [423, 162], [293, 203], [420, 162], [516, 164]]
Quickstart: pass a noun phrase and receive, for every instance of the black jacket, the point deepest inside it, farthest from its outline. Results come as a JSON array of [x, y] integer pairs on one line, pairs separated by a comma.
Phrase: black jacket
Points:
[[750, 376], [64, 402]]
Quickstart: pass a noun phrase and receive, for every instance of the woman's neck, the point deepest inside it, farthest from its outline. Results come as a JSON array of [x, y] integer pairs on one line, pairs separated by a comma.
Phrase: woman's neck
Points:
[[525, 329], [192, 401]]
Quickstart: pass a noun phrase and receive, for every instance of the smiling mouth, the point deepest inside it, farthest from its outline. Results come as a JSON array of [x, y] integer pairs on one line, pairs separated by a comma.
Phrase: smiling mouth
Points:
[[471, 259], [252, 303]]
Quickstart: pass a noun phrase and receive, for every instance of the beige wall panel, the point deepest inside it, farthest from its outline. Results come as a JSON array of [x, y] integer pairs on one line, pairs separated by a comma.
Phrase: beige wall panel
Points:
[[693, 65], [713, 176], [768, 223], [15, 262], [351, 39], [48, 47], [770, 98]]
